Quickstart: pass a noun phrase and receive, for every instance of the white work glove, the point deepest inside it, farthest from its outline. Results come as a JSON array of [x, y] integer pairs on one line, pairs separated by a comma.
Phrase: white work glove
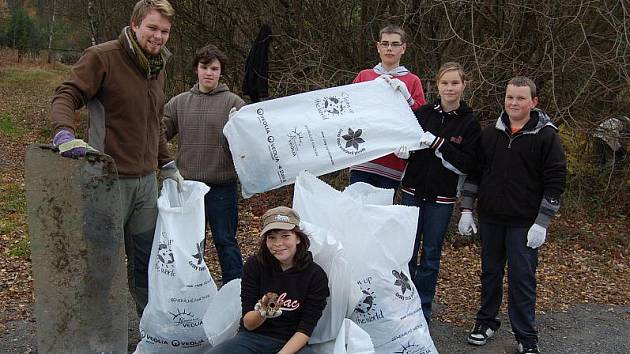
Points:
[[170, 171], [402, 152], [427, 138], [536, 236], [232, 112], [258, 307], [400, 86], [466, 223]]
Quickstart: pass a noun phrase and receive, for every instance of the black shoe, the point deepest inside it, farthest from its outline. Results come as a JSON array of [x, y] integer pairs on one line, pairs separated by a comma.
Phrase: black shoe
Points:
[[480, 334], [528, 348]]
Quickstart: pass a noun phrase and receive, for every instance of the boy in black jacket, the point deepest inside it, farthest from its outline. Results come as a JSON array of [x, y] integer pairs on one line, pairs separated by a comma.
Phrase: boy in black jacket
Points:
[[521, 176]]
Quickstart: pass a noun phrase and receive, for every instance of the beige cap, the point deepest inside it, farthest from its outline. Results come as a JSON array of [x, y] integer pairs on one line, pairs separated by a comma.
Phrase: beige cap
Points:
[[281, 217]]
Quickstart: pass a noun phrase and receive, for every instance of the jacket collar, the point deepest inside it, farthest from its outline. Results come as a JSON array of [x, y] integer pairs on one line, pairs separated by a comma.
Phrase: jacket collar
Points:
[[125, 41], [538, 119], [461, 111], [398, 71]]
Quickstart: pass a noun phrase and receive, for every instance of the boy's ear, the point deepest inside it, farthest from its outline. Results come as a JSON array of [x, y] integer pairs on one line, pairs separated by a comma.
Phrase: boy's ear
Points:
[[535, 101]]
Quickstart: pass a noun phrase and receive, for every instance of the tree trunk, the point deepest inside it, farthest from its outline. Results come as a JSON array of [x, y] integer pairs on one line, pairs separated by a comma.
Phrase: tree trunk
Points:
[[92, 21], [51, 31]]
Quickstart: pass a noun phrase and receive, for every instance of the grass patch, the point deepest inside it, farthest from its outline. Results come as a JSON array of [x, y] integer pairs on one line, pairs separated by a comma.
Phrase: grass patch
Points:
[[8, 127], [9, 77], [20, 249], [12, 205]]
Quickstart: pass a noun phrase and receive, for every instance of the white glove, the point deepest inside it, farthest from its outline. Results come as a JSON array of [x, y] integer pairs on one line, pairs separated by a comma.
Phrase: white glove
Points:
[[170, 171], [402, 152], [466, 223], [427, 138], [400, 86], [232, 112], [536, 236], [258, 307]]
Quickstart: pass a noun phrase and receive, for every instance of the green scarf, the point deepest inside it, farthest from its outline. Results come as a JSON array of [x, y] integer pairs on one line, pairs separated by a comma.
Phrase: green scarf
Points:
[[152, 64]]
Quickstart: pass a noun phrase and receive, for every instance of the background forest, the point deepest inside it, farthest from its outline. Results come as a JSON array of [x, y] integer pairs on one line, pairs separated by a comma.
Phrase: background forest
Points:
[[577, 51]]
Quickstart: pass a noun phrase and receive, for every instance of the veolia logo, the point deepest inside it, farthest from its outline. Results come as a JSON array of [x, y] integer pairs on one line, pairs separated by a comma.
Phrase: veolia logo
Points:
[[185, 319]]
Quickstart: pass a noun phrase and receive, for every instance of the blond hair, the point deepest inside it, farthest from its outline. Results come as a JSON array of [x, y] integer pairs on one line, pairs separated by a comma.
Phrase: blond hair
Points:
[[452, 66], [143, 7]]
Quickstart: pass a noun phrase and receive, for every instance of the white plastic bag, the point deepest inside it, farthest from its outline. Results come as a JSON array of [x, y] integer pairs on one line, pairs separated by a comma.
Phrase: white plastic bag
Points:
[[351, 339], [329, 254], [223, 316], [365, 193], [319, 131], [378, 241], [180, 285]]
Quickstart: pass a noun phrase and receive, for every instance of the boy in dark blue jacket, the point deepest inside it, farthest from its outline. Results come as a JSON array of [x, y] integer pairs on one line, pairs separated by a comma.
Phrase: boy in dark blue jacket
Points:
[[519, 181]]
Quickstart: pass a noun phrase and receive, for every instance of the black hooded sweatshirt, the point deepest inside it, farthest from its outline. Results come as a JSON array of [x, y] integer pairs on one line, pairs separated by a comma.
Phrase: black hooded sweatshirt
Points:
[[434, 174], [303, 294]]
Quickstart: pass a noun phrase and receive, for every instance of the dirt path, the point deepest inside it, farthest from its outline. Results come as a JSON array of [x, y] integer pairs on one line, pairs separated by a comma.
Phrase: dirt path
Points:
[[584, 328]]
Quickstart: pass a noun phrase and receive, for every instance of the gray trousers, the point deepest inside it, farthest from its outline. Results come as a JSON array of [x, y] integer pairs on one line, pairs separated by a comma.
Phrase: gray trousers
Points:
[[139, 209]]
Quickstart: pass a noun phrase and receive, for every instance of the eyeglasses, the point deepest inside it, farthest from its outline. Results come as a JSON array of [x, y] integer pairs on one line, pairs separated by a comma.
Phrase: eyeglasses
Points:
[[386, 44]]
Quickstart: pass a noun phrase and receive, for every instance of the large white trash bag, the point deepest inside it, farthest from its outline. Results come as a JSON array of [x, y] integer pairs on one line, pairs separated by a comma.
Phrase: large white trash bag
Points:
[[366, 193], [345, 294], [378, 241], [351, 339], [223, 316], [180, 285], [319, 131]]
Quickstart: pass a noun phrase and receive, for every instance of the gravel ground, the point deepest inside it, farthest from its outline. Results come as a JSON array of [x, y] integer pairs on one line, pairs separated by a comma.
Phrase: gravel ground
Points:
[[584, 328]]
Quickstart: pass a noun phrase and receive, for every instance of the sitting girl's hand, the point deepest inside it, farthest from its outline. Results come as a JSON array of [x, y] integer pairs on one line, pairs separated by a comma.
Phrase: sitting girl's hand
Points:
[[268, 306]]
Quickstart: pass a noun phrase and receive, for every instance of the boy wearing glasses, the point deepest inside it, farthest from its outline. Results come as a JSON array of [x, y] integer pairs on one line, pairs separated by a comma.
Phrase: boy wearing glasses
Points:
[[386, 171]]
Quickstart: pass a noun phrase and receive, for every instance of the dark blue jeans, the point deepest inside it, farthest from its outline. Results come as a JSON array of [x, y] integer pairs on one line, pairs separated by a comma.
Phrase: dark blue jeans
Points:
[[373, 179], [433, 221], [251, 343], [501, 243], [222, 216]]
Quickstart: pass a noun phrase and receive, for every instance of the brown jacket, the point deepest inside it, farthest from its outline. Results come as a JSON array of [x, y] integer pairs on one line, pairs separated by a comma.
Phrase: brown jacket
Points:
[[198, 118], [125, 108]]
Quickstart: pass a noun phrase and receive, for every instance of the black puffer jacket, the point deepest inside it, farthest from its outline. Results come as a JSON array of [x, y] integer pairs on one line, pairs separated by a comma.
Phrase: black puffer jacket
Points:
[[435, 173], [517, 170]]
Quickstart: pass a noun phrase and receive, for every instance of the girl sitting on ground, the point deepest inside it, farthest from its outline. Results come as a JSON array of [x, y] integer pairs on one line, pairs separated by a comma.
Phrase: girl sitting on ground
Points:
[[283, 292]]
